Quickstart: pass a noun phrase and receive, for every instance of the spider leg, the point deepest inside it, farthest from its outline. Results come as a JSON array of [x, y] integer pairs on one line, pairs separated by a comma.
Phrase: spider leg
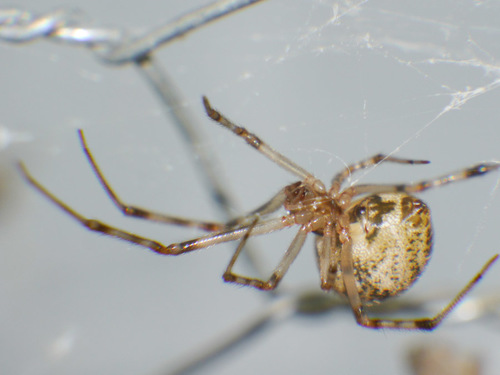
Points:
[[273, 205], [340, 177], [225, 235], [262, 147], [427, 324], [324, 246], [136, 211], [278, 272], [416, 187]]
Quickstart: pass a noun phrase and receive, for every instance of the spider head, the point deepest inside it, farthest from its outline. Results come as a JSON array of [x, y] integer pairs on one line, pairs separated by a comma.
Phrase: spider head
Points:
[[297, 193], [309, 207]]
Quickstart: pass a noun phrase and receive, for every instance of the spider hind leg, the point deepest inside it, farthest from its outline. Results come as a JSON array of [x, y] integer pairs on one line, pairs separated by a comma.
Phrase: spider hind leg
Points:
[[425, 324]]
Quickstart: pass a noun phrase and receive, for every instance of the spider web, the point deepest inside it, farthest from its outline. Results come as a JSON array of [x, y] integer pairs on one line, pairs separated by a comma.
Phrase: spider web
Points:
[[325, 83]]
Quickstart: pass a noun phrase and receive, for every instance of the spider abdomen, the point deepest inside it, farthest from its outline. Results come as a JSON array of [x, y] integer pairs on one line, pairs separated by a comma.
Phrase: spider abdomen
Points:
[[391, 235]]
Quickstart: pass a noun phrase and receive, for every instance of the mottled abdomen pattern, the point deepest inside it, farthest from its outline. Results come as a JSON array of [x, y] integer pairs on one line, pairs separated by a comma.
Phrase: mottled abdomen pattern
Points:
[[391, 236]]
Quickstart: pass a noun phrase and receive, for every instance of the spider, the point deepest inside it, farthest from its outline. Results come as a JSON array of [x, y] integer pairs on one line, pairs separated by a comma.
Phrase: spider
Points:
[[373, 241]]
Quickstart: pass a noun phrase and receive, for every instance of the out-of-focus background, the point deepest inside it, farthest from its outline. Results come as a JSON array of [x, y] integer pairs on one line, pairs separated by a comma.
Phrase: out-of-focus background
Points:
[[324, 82]]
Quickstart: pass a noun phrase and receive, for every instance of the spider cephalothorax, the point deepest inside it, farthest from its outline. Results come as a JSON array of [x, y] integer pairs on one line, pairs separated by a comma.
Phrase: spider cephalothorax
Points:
[[314, 209]]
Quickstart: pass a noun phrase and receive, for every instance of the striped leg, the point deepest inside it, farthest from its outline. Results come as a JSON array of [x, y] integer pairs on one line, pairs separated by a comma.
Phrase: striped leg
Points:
[[225, 235], [263, 148], [340, 177], [427, 324], [136, 211], [278, 272], [416, 187]]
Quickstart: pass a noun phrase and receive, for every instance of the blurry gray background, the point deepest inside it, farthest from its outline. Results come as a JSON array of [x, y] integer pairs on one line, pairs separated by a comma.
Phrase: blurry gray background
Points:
[[325, 83]]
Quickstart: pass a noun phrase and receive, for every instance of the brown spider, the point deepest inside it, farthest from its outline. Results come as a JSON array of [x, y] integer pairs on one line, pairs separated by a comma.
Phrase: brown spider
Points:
[[368, 249]]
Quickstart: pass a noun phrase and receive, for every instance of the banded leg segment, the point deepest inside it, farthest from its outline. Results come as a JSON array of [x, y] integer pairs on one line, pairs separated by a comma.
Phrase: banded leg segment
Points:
[[138, 212], [278, 272], [427, 324], [340, 177], [263, 147], [416, 187], [228, 234]]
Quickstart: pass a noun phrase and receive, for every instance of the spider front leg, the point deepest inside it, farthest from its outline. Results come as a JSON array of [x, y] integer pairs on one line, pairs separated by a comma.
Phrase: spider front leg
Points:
[[228, 234], [273, 205], [262, 147], [278, 272], [420, 186], [427, 324], [138, 212], [340, 177]]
